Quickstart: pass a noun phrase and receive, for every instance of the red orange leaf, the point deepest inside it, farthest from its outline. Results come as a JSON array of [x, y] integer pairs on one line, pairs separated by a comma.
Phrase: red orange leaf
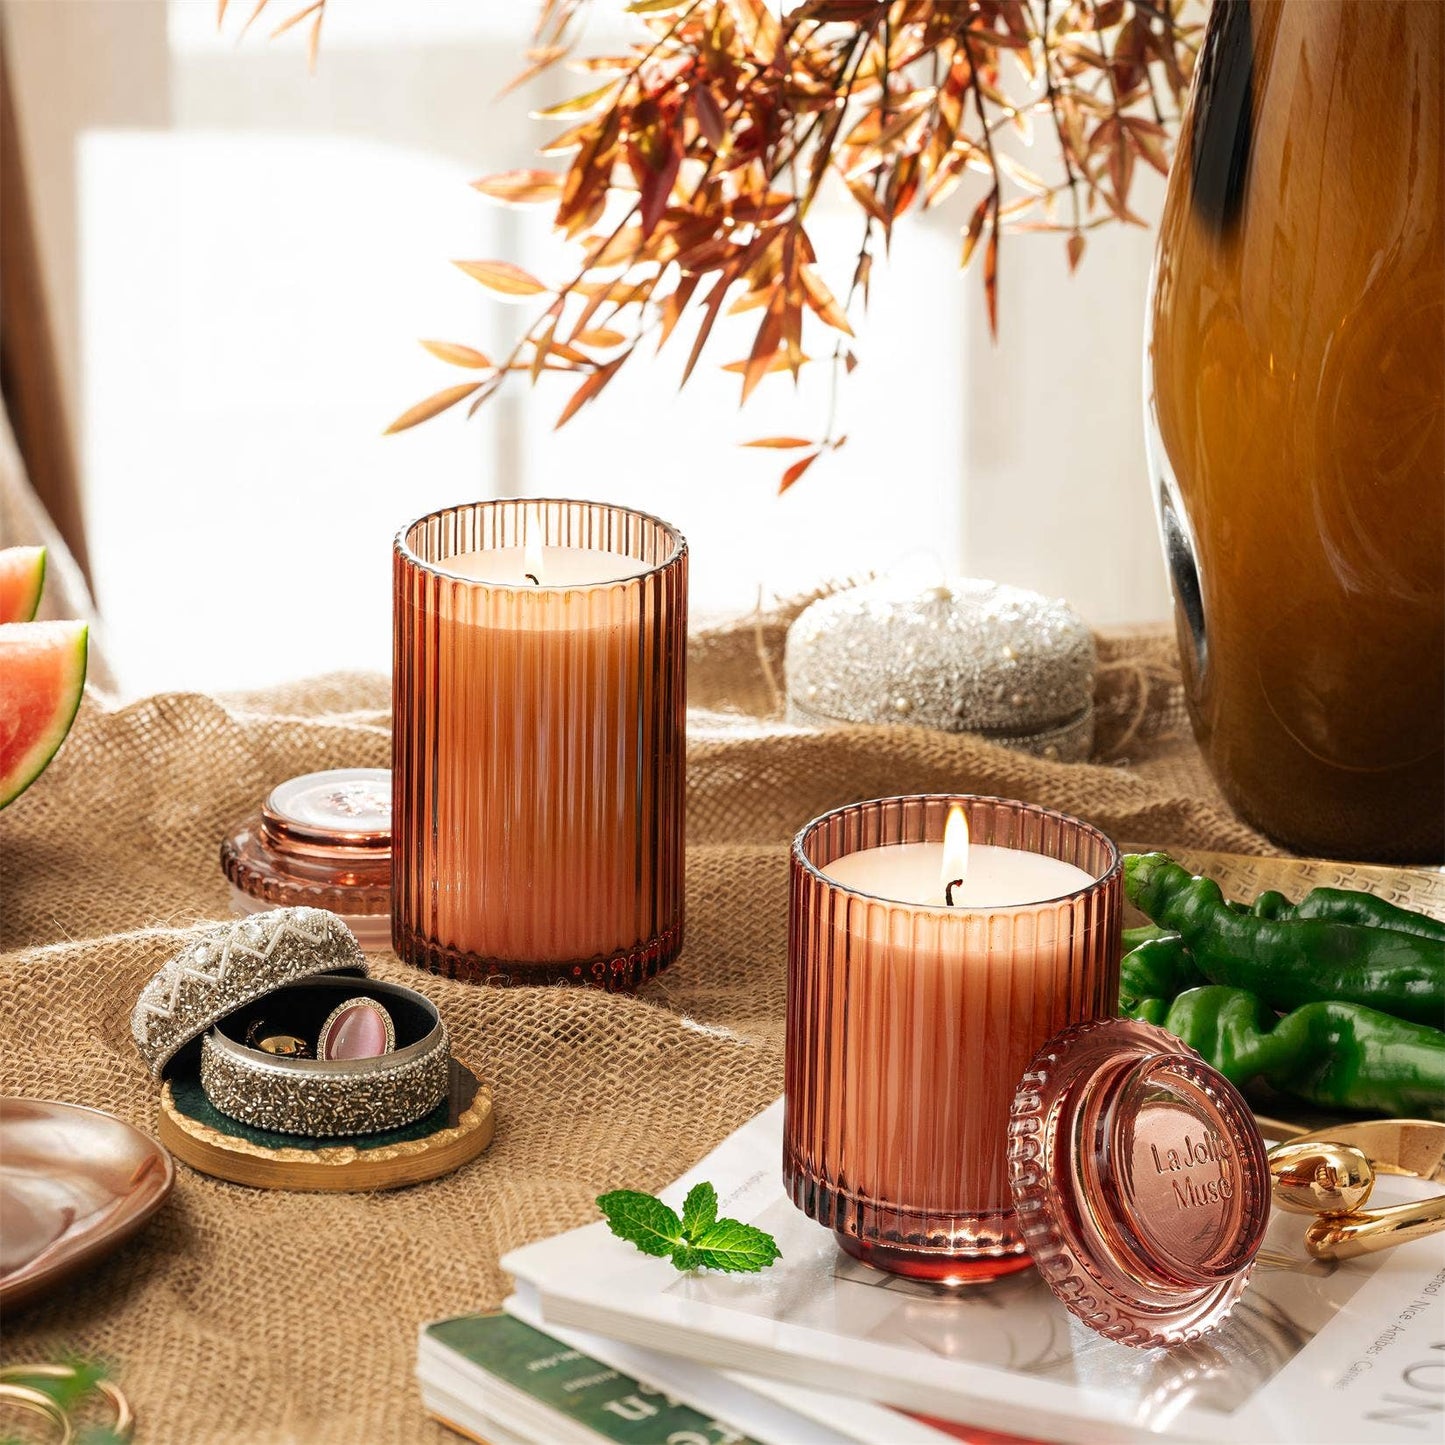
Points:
[[990, 281], [673, 305], [297, 18], [711, 307], [457, 354], [1025, 177], [766, 343], [709, 116], [539, 59], [313, 41], [975, 227], [520, 187], [588, 101], [433, 406], [759, 27], [587, 391], [778, 361], [569, 140], [780, 443], [822, 301], [796, 470], [502, 277], [540, 348]]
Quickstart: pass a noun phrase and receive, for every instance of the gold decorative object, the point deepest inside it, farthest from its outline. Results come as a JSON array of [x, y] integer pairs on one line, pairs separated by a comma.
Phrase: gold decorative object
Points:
[[37, 1402], [1331, 1172], [1320, 1178], [13, 1390]]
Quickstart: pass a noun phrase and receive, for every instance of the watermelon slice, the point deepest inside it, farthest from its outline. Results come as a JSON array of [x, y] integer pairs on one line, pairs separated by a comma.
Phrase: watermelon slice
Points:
[[42, 674], [22, 577]]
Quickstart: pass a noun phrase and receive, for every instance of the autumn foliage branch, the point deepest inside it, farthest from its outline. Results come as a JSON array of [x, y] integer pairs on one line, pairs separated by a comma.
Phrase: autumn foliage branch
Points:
[[692, 161]]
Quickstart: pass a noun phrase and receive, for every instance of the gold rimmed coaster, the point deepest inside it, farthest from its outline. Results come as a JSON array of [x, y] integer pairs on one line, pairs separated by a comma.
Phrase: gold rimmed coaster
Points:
[[458, 1130]]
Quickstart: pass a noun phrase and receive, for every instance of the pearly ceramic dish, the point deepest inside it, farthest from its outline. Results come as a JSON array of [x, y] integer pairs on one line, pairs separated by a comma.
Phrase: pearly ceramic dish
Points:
[[76, 1184], [290, 971]]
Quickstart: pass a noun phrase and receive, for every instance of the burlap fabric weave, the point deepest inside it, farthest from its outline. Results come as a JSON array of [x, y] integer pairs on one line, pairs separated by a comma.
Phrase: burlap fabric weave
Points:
[[242, 1315]]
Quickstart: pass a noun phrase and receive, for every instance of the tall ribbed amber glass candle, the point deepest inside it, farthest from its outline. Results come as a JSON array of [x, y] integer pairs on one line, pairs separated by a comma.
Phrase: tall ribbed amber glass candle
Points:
[[909, 1029], [538, 746]]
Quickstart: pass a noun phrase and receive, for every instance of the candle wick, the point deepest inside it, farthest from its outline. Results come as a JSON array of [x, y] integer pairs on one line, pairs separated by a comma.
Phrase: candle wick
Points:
[[532, 578], [948, 890]]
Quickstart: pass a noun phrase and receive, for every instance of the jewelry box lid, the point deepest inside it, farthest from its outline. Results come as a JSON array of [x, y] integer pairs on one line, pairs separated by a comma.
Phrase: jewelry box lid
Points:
[[229, 966], [1139, 1179]]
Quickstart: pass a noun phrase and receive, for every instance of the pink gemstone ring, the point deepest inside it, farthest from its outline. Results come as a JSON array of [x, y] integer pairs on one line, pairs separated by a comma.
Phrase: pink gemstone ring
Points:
[[359, 1028]]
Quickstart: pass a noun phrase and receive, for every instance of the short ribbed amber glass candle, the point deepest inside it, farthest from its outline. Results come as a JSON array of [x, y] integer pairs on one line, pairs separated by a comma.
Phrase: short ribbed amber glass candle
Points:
[[910, 1026], [538, 744]]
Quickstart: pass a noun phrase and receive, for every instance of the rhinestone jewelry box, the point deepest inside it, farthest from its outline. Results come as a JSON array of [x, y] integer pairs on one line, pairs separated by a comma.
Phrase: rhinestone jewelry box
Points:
[[243, 1004], [965, 656]]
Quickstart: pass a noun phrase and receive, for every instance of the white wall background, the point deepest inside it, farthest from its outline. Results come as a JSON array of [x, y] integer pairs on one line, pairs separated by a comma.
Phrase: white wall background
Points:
[[241, 257]]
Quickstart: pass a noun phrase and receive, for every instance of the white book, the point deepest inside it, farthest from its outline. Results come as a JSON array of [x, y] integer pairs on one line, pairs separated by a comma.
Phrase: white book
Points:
[[1330, 1353], [773, 1410]]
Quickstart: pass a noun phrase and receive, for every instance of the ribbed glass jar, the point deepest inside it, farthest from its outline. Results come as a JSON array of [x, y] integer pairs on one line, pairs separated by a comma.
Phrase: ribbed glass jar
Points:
[[538, 744], [910, 1027]]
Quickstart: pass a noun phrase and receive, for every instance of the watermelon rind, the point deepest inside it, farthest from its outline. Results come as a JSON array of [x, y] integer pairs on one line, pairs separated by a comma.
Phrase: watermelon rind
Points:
[[29, 605], [71, 686]]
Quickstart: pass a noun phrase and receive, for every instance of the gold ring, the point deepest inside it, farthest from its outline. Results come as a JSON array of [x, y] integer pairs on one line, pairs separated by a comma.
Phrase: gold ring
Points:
[[1329, 1173], [37, 1402], [124, 1424]]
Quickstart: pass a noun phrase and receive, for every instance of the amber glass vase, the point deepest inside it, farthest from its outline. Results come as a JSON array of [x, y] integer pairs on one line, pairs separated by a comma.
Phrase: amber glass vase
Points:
[[1295, 384]]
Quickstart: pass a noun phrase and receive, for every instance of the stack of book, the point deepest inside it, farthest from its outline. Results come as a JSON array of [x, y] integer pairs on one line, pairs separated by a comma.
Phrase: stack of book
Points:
[[602, 1343]]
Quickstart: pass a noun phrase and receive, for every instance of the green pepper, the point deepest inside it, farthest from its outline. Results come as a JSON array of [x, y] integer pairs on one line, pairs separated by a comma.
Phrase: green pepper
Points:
[[1146, 1010], [1271, 904], [1158, 968], [1348, 905], [1133, 937], [1290, 961], [1333, 1055]]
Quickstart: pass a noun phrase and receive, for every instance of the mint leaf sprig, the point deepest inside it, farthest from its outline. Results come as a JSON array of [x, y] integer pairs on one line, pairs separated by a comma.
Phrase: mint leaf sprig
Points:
[[697, 1240]]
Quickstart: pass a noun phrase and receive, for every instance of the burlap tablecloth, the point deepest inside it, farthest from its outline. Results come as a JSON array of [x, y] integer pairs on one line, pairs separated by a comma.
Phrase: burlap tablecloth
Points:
[[242, 1315]]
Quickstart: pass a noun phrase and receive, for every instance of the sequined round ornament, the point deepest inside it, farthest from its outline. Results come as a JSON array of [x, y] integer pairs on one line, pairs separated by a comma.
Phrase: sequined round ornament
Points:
[[964, 656], [323, 1099]]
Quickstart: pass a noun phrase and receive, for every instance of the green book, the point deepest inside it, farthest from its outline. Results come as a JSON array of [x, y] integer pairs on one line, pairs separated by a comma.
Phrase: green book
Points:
[[493, 1377]]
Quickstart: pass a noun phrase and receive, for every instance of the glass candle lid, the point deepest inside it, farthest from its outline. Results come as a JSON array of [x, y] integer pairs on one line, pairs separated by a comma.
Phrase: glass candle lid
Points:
[[323, 840], [1140, 1181], [344, 809]]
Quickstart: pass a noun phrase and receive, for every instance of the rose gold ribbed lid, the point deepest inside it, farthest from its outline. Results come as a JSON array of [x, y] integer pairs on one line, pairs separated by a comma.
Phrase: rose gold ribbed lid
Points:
[[1139, 1179]]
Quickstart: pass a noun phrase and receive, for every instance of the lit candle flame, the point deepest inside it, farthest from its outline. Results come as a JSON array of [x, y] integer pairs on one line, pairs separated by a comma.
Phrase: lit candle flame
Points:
[[955, 852], [532, 563]]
